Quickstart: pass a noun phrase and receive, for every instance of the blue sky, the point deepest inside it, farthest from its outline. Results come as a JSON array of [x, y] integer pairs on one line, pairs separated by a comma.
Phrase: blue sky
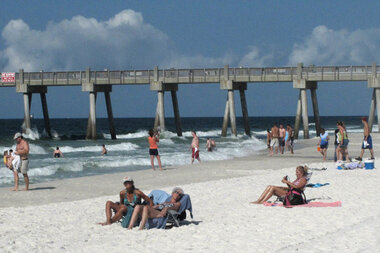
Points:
[[64, 35]]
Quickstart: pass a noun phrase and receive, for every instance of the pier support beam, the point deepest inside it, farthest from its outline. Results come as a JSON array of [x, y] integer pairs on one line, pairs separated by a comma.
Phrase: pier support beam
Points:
[[298, 117], [372, 110], [374, 83], [161, 109], [314, 101], [89, 86], [305, 118], [23, 87], [111, 124], [91, 127], [229, 113], [161, 87], [302, 109], [244, 110], [225, 119], [177, 118], [231, 105], [27, 105], [46, 114]]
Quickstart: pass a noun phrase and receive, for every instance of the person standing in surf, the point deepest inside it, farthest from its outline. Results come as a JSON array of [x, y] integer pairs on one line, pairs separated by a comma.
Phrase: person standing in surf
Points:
[[195, 147], [153, 139], [104, 150], [22, 149]]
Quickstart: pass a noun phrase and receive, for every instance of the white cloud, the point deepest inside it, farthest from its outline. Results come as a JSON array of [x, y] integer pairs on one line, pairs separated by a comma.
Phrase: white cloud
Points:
[[254, 59], [327, 46], [123, 41]]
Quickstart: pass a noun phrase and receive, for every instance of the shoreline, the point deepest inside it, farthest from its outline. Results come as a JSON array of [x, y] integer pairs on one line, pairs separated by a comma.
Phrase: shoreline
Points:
[[73, 189]]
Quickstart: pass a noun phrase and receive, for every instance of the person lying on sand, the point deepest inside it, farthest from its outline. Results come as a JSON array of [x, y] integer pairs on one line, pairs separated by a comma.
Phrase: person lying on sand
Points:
[[279, 191], [129, 196], [156, 211]]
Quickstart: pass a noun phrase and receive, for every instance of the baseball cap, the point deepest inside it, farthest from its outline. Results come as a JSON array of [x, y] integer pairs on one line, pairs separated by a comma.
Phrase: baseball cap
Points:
[[127, 179], [17, 135]]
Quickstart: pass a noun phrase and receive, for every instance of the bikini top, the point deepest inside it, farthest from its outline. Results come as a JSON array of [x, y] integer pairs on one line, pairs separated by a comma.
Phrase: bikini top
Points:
[[135, 201]]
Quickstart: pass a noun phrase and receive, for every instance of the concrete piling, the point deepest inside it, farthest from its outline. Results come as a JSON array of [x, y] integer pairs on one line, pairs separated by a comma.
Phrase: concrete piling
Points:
[[244, 110], [298, 116], [315, 110], [305, 118], [225, 119], [372, 110], [111, 124], [176, 113], [46, 114]]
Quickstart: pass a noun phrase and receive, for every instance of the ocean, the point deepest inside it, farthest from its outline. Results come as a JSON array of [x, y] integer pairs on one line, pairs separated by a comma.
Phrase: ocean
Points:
[[130, 151]]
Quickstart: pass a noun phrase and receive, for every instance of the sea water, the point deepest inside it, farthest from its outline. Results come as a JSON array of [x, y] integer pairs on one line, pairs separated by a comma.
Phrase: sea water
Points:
[[130, 151]]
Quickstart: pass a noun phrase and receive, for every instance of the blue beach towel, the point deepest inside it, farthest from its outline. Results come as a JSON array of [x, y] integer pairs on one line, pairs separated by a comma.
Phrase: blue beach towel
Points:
[[158, 196]]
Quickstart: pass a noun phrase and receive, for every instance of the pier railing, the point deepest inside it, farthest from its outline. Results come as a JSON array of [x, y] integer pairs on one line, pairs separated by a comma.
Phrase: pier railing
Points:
[[206, 75]]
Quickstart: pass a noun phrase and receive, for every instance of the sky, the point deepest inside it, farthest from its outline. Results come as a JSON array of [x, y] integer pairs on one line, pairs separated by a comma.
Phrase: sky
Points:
[[74, 35]]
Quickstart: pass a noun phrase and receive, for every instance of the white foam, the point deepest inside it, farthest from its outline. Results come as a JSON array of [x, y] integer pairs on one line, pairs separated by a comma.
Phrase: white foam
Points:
[[98, 148]]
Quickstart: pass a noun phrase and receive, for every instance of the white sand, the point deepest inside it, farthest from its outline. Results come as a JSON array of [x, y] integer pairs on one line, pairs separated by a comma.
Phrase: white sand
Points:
[[224, 221]]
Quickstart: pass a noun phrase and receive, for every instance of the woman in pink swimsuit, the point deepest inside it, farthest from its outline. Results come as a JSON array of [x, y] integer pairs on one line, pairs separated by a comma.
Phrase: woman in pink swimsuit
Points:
[[280, 191]]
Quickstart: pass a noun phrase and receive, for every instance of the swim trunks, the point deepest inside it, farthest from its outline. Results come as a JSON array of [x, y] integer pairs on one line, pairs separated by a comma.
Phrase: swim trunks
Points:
[[273, 142], [24, 166], [367, 145], [195, 153], [281, 142]]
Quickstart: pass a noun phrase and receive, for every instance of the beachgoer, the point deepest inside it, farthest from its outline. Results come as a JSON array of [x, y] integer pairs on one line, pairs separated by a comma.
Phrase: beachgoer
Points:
[[157, 211], [290, 141], [104, 150], [274, 142], [336, 143], [323, 142], [195, 147], [281, 139], [22, 149], [130, 196], [13, 162], [269, 139], [367, 141], [342, 150], [280, 191], [210, 144], [153, 139], [57, 153]]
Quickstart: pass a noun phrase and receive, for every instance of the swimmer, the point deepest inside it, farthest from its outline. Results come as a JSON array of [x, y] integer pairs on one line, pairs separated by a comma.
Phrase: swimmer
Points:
[[104, 150], [57, 153]]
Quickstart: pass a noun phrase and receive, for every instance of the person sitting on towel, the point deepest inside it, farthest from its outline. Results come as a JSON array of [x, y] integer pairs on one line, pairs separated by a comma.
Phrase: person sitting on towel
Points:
[[129, 196], [156, 211], [280, 191]]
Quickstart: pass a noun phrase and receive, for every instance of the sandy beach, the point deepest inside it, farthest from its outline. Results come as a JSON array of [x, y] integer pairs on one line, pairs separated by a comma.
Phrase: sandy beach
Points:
[[62, 215]]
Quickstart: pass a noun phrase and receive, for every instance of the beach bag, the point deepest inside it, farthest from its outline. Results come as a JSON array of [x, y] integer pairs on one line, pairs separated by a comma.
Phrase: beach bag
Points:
[[294, 197]]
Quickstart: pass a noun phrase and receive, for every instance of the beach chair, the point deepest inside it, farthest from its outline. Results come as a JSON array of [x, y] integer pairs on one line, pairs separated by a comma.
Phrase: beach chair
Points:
[[308, 176], [174, 218]]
